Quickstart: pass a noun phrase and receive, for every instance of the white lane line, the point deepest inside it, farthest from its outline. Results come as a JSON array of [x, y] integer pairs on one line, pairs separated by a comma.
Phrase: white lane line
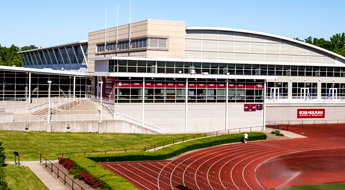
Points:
[[299, 151], [128, 177]]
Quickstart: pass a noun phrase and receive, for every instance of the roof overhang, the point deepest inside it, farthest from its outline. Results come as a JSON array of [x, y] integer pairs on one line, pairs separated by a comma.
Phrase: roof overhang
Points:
[[42, 71], [215, 61], [58, 46], [267, 35]]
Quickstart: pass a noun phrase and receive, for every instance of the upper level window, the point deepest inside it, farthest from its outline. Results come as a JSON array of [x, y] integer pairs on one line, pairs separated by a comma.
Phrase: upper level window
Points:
[[157, 42], [136, 43]]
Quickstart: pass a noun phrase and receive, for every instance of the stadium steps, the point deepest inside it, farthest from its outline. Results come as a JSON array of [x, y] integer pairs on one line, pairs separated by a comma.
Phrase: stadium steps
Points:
[[42, 113]]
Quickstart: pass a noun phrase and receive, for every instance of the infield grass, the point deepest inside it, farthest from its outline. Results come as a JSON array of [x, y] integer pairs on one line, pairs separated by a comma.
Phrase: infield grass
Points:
[[31, 144], [332, 186]]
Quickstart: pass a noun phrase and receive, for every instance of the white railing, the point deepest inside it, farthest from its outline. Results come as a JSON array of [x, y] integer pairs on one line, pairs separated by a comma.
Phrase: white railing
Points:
[[137, 122], [77, 117]]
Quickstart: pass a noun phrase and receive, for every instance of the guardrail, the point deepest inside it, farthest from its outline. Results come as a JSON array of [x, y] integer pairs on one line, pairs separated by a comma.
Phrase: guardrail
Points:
[[60, 174], [162, 144], [285, 124]]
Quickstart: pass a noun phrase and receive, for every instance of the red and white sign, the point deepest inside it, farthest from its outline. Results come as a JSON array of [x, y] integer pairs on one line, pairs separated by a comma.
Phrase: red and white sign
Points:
[[310, 113]]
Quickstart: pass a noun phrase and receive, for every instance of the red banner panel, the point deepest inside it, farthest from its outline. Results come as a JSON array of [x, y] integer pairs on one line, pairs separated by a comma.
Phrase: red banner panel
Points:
[[310, 113], [249, 107]]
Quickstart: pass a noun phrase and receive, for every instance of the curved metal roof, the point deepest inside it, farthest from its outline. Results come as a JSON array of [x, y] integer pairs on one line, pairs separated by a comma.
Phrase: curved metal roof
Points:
[[267, 35]]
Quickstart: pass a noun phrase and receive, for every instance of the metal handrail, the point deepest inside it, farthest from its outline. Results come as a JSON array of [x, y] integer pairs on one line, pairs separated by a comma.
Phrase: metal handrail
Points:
[[285, 124], [60, 174]]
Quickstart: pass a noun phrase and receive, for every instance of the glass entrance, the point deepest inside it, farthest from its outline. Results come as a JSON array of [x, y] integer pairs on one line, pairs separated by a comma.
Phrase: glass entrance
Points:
[[305, 93], [332, 93], [274, 93]]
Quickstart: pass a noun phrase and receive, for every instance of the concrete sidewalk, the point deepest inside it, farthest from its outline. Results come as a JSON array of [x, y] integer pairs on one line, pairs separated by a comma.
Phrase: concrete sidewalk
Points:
[[287, 133], [47, 179]]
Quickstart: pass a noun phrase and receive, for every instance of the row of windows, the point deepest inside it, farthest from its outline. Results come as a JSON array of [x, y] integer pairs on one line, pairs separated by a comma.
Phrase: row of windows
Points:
[[279, 90], [194, 95], [134, 66], [137, 43], [15, 85], [71, 54]]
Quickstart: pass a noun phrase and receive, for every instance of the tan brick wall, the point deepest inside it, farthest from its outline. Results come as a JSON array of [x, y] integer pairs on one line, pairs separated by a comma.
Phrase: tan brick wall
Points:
[[172, 30]]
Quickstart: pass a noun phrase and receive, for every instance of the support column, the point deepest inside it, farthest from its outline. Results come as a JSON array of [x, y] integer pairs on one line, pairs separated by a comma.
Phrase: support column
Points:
[[186, 108], [264, 111], [290, 90], [227, 105], [74, 79], [319, 98], [30, 88], [143, 104]]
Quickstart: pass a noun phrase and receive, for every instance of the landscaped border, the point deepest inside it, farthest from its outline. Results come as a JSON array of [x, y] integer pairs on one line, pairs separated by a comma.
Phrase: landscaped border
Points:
[[111, 180]]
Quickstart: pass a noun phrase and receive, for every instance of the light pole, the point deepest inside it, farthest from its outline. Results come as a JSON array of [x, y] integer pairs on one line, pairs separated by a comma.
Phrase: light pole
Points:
[[101, 99], [49, 85]]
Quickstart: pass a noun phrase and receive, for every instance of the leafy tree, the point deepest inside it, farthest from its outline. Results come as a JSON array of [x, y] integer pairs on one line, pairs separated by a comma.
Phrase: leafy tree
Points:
[[9, 56], [24, 48], [335, 44]]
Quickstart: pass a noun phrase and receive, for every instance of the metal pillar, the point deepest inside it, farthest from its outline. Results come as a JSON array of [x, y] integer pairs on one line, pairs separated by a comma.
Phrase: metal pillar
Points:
[[227, 105], [186, 107], [101, 101], [264, 112], [74, 79], [49, 87], [143, 105], [29, 88]]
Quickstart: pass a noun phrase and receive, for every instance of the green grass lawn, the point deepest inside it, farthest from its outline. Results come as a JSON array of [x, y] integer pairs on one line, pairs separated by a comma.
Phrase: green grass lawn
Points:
[[21, 177], [333, 186], [31, 144]]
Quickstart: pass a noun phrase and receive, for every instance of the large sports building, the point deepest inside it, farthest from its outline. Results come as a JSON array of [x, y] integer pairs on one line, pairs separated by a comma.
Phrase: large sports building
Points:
[[187, 79]]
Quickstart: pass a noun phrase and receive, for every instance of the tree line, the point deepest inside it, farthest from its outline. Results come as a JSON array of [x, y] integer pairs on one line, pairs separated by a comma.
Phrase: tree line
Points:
[[335, 44], [9, 55]]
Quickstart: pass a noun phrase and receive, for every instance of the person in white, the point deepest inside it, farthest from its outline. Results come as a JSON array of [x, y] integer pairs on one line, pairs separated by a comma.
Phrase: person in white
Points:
[[245, 138]]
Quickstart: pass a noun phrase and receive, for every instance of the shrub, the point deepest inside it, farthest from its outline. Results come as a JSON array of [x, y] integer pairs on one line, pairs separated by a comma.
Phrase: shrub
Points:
[[112, 181], [277, 133], [72, 168]]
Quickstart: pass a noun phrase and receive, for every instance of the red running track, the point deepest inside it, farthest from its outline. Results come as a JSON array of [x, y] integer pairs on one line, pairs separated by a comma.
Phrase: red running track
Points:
[[256, 165]]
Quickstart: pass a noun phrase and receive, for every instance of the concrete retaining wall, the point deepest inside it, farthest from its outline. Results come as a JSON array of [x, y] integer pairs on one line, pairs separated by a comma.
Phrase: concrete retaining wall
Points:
[[78, 126], [334, 113]]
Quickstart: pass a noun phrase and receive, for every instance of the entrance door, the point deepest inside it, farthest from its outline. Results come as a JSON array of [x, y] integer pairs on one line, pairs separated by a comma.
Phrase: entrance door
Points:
[[332, 93], [88, 91], [274, 93], [305, 93]]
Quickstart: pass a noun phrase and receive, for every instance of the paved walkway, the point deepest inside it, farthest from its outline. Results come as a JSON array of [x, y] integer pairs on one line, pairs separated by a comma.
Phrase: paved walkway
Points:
[[51, 182]]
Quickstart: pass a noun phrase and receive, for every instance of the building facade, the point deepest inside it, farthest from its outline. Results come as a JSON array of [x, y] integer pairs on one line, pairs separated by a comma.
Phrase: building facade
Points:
[[197, 79]]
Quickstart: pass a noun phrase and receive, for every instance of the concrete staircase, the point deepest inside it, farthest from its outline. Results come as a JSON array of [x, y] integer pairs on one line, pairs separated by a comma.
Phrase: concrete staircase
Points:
[[42, 113]]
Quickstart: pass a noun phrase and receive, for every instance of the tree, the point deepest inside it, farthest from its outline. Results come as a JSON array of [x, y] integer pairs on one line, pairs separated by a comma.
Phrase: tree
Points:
[[24, 48], [9, 56], [335, 44]]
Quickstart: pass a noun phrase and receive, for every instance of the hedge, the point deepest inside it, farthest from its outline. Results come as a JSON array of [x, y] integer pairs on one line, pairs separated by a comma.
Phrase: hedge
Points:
[[112, 181]]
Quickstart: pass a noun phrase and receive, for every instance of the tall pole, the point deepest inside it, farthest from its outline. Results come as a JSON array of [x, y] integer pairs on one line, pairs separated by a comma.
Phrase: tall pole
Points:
[[264, 112], [227, 105], [186, 107], [130, 26], [143, 104], [105, 31], [101, 99], [49, 86], [117, 25], [29, 88], [74, 79]]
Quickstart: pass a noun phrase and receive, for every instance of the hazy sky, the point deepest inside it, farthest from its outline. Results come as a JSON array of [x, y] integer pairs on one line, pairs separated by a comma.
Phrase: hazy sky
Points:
[[53, 22]]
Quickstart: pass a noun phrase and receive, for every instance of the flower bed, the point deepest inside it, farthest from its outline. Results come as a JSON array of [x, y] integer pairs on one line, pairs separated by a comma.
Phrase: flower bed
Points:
[[87, 178]]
